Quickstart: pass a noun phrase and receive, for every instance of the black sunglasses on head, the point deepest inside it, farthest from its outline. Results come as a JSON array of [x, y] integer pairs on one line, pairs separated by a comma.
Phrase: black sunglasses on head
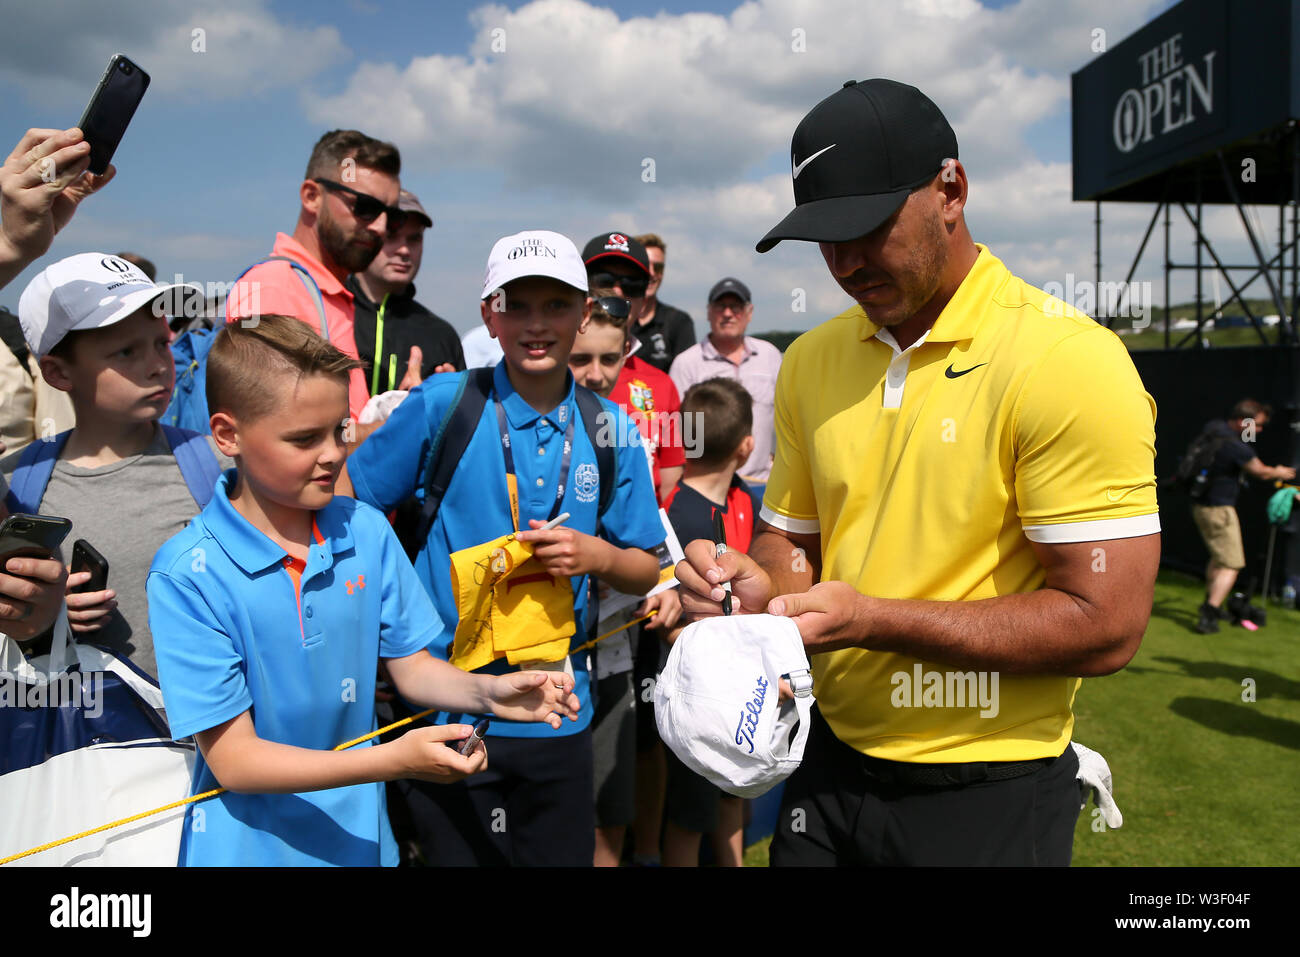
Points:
[[634, 286], [365, 207], [614, 307]]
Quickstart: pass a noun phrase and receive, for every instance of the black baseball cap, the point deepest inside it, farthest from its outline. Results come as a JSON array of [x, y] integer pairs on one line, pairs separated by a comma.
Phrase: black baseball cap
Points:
[[619, 246], [857, 155], [729, 285]]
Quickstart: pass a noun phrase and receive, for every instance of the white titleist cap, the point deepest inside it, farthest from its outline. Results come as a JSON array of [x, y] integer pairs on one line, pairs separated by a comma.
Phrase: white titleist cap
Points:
[[717, 701], [85, 291], [534, 252]]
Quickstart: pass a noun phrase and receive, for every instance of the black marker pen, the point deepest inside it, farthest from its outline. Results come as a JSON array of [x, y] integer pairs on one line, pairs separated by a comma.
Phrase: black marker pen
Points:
[[720, 549]]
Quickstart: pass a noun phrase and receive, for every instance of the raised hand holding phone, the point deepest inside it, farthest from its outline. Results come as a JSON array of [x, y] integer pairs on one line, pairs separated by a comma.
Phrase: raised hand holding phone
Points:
[[110, 109], [41, 183]]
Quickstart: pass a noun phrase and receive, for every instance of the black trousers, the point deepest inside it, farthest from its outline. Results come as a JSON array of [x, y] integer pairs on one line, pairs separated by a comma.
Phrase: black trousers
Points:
[[533, 806], [844, 808]]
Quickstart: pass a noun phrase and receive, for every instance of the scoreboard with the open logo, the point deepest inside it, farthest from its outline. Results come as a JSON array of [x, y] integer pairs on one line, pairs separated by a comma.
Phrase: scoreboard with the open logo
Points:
[[1204, 76]]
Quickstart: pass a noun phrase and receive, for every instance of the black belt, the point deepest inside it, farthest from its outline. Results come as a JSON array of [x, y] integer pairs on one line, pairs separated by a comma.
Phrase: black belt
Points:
[[907, 774]]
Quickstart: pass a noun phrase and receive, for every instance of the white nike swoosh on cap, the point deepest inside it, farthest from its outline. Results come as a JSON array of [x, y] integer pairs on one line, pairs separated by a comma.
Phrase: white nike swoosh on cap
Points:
[[798, 167]]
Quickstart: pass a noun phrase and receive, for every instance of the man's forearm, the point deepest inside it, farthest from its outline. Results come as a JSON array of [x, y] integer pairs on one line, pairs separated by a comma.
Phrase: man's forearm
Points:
[[1041, 632], [12, 263], [791, 568]]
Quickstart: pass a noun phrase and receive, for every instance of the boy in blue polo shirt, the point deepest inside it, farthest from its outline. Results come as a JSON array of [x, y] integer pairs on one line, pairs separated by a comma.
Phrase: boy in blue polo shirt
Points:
[[271, 611], [535, 804]]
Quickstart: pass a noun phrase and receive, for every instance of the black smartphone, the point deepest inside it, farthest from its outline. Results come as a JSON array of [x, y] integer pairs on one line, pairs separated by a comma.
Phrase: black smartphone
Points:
[[37, 536], [110, 110], [85, 558]]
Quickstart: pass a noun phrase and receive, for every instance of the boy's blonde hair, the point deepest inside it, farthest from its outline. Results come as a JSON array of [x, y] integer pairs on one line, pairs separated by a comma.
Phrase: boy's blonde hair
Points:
[[246, 354]]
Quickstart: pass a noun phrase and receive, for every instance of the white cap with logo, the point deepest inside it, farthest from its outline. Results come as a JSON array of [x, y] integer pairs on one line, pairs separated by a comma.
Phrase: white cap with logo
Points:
[[85, 291], [717, 701], [534, 252]]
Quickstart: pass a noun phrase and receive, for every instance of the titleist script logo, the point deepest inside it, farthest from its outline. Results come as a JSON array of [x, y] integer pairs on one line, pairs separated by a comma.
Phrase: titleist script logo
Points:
[[532, 247], [748, 724], [1170, 89]]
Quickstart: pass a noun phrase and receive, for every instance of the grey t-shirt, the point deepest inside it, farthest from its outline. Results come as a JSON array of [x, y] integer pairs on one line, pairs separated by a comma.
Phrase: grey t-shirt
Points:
[[126, 510]]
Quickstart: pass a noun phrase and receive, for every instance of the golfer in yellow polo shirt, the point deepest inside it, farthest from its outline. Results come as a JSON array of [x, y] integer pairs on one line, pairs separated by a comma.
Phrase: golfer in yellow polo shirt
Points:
[[961, 516]]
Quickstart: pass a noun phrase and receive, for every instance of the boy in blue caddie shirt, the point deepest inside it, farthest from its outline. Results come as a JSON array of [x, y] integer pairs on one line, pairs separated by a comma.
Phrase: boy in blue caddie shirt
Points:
[[271, 611], [535, 806]]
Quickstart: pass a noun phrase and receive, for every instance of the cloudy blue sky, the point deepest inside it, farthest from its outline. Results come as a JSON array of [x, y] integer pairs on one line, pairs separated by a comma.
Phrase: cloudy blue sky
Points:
[[552, 131]]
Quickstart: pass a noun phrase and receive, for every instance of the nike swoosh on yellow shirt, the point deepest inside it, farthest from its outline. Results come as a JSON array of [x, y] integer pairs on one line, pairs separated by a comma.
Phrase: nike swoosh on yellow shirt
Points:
[[1115, 494]]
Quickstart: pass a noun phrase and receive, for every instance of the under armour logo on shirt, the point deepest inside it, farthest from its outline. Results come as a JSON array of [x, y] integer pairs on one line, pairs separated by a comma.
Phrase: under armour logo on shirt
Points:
[[361, 583]]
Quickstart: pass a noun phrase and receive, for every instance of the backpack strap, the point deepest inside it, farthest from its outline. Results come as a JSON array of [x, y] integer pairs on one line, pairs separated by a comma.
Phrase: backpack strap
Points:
[[35, 466], [448, 446], [199, 467], [457, 428], [308, 282], [593, 416]]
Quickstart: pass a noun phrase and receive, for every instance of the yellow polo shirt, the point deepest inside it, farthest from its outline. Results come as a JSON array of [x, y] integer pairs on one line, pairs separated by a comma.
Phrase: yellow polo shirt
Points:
[[928, 472]]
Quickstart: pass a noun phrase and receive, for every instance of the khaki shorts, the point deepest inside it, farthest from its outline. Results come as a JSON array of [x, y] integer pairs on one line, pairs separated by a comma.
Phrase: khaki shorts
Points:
[[1221, 531]]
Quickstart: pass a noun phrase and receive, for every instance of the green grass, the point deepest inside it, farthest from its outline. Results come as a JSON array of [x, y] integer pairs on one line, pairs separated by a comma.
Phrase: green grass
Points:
[[1202, 777]]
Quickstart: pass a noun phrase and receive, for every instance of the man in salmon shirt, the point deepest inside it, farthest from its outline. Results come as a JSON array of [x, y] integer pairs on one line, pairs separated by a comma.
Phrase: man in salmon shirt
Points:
[[349, 201]]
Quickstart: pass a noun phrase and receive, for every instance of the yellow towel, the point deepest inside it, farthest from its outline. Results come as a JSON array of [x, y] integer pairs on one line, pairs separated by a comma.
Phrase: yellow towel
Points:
[[508, 605]]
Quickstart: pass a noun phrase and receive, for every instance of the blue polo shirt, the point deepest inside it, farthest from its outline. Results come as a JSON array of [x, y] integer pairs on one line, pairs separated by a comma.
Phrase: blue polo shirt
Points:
[[233, 634], [389, 467]]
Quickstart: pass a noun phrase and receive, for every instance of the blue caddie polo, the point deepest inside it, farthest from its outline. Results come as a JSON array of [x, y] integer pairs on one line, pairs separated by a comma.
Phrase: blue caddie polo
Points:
[[232, 634], [389, 467]]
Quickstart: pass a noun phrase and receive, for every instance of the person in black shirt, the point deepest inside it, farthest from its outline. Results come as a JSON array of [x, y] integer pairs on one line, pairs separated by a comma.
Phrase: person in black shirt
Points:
[[693, 806], [399, 341], [1216, 515], [665, 331]]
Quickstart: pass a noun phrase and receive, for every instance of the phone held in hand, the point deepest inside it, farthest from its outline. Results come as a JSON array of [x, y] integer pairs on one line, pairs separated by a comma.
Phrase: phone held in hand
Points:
[[34, 536], [85, 558], [475, 740], [110, 109]]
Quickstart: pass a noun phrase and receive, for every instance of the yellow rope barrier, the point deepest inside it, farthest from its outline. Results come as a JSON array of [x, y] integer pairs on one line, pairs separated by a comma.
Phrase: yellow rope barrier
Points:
[[613, 632], [207, 794]]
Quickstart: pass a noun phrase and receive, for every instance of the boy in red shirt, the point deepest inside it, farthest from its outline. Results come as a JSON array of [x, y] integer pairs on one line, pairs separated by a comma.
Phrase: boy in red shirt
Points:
[[602, 360], [695, 806]]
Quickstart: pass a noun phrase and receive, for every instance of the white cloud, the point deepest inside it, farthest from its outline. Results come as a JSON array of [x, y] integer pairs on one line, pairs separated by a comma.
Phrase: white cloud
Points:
[[562, 94], [246, 49], [562, 101]]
